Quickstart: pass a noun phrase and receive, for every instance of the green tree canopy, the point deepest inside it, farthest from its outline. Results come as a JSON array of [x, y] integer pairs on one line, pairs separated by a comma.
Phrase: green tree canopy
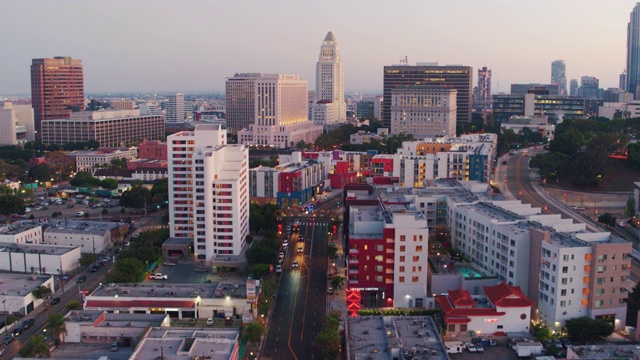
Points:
[[136, 197], [40, 172], [42, 292], [57, 326], [10, 204], [36, 346], [261, 253], [587, 329], [160, 192], [84, 179], [127, 270], [253, 332], [630, 207], [87, 259], [109, 184]]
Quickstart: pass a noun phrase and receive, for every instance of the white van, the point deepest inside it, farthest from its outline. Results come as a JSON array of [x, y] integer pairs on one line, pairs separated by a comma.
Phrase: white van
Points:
[[454, 347], [80, 213]]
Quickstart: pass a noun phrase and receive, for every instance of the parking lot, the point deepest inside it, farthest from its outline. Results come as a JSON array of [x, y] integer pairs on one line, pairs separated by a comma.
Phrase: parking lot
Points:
[[70, 209], [182, 272], [501, 352]]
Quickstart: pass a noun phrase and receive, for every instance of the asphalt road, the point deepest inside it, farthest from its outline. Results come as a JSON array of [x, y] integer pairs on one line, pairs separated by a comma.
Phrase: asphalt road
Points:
[[302, 296]]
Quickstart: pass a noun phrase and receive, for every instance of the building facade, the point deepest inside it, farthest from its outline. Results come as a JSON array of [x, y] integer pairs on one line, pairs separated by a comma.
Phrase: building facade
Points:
[[175, 108], [152, 150], [423, 111], [452, 76], [16, 124], [108, 128], [40, 259], [559, 76], [93, 237], [278, 112], [557, 108], [208, 191], [535, 88], [57, 88], [87, 160], [483, 95], [330, 79], [633, 52]]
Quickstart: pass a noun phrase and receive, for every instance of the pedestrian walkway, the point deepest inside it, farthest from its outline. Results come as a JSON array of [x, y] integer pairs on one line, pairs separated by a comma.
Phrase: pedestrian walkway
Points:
[[338, 300]]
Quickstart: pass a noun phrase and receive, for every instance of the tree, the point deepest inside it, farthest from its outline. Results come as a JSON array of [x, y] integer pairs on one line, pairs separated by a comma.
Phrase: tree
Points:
[[42, 292], [137, 197], [119, 163], [630, 208], [109, 184], [127, 270], [36, 346], [60, 164], [57, 326], [160, 192], [74, 305], [328, 339], [541, 332], [587, 329], [337, 282], [253, 332], [259, 270], [261, 253], [84, 179], [10, 204], [332, 251], [87, 259]]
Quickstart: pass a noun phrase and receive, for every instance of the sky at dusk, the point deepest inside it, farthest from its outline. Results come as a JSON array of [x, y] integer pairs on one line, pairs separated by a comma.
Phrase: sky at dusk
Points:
[[158, 45]]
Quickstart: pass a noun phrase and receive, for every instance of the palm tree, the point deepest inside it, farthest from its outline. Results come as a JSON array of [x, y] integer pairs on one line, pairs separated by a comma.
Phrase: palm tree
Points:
[[57, 326], [36, 346]]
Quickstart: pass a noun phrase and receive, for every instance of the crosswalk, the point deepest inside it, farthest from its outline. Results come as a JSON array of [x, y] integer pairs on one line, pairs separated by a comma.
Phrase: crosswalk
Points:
[[311, 223]]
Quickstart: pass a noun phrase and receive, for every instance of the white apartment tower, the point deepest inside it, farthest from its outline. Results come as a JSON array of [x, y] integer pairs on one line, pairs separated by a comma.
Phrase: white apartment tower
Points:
[[175, 108], [330, 78], [208, 191]]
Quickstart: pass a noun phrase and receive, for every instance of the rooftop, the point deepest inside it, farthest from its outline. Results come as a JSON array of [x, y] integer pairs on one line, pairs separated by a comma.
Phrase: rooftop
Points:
[[12, 284], [17, 227], [103, 319], [184, 343], [36, 248], [604, 352], [80, 227], [375, 337], [170, 290]]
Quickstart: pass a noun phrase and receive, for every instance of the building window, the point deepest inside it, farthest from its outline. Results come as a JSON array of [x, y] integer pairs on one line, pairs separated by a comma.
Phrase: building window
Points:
[[401, 279], [402, 248]]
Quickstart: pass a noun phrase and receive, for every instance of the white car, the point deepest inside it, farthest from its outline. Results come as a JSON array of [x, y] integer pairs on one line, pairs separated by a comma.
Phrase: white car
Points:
[[278, 268], [159, 276], [210, 322]]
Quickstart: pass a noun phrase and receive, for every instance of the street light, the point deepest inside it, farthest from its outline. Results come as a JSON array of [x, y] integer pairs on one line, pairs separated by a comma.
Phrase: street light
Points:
[[4, 303]]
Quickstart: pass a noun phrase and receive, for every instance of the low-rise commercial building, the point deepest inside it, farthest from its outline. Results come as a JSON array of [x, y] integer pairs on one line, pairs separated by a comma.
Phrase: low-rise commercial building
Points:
[[16, 291], [534, 123], [88, 160], [87, 326], [24, 232], [42, 259], [176, 344], [92, 237], [108, 128]]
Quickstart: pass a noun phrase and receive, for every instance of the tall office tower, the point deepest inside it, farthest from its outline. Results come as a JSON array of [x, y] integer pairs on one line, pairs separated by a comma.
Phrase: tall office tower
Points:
[[573, 87], [424, 111], [589, 87], [633, 52], [273, 108], [330, 78], [622, 84], [175, 108], [451, 76], [559, 75], [57, 88], [484, 89], [209, 191]]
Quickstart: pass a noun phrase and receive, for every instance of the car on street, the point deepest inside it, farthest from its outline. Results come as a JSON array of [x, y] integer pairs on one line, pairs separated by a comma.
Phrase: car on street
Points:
[[70, 206], [81, 279], [55, 300], [294, 265], [330, 290], [285, 243], [159, 276], [201, 269], [8, 339], [127, 243], [27, 324], [278, 268], [210, 322], [300, 249], [106, 259], [17, 331], [115, 346], [169, 263]]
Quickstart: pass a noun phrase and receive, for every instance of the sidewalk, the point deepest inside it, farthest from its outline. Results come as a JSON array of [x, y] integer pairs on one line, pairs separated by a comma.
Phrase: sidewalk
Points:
[[338, 300]]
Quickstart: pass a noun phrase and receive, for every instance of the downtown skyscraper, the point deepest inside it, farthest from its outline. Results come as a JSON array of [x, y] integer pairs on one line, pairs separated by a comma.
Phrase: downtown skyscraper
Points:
[[633, 51], [57, 88], [559, 76], [330, 79], [483, 96]]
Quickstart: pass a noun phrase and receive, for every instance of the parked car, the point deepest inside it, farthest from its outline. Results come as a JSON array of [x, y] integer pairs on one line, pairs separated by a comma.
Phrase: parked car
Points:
[[17, 331], [55, 300], [169, 263], [8, 339], [115, 346], [81, 279], [27, 324], [330, 290], [210, 322], [65, 277], [159, 276]]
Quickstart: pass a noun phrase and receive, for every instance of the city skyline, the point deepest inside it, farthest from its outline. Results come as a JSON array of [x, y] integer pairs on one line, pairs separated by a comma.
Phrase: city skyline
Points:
[[193, 47]]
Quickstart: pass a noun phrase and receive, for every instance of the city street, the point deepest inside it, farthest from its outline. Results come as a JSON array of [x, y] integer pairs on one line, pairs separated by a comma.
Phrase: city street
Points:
[[301, 300]]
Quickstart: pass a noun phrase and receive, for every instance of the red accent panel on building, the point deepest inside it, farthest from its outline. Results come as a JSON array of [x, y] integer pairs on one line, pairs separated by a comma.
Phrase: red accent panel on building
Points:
[[152, 150], [286, 181], [387, 164], [338, 181], [385, 180]]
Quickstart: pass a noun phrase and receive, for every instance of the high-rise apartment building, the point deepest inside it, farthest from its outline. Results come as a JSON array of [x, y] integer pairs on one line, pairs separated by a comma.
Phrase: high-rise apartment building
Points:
[[633, 52], [57, 88], [175, 108], [449, 76], [538, 89], [330, 78], [622, 83], [208, 191], [273, 106], [559, 75], [423, 111], [483, 95], [590, 88]]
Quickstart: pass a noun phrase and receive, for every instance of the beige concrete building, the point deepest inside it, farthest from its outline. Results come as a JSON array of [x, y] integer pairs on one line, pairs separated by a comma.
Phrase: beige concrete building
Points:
[[109, 128], [16, 123], [423, 111]]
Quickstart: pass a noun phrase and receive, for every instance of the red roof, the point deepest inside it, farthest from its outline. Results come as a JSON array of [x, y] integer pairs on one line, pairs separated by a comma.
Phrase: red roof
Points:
[[128, 303], [505, 295], [461, 298], [451, 311]]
